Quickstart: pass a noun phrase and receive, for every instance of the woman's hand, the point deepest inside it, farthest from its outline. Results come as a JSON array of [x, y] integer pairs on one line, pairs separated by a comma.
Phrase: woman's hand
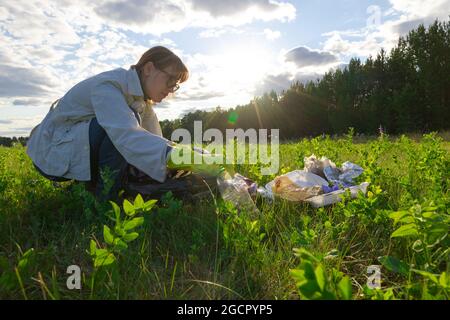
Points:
[[183, 157]]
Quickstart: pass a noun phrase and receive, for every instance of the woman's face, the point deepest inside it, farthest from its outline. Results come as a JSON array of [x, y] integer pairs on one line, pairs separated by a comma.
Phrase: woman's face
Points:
[[155, 81]]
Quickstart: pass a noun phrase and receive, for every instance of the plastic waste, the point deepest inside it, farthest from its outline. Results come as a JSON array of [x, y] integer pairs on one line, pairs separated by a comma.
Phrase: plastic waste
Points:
[[349, 172], [327, 169], [336, 196], [320, 183], [327, 189], [238, 190], [297, 185], [266, 194], [317, 166], [331, 174]]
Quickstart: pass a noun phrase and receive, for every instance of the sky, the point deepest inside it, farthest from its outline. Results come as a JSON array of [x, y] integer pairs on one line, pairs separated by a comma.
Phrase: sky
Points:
[[235, 49]]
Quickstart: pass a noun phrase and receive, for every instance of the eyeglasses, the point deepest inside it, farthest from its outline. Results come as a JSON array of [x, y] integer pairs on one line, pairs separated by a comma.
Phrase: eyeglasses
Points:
[[172, 82]]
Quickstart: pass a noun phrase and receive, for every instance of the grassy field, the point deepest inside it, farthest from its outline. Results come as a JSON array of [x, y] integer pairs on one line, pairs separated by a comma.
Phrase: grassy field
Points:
[[175, 250]]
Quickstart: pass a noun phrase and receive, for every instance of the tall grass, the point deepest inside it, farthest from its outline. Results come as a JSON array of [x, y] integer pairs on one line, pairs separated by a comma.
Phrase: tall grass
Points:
[[208, 250]]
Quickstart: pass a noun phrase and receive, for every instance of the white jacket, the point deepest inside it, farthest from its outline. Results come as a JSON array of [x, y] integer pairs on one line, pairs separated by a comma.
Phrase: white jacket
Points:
[[59, 145]]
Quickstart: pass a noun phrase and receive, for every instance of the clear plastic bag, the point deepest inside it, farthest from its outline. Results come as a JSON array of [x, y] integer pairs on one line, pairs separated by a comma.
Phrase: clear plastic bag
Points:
[[237, 190]]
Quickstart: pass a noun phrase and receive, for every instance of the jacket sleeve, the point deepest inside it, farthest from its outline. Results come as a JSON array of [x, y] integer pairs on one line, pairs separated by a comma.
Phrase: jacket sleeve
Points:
[[150, 121], [144, 150]]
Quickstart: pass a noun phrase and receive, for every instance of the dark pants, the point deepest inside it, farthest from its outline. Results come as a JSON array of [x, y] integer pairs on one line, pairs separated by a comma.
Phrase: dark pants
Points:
[[106, 162], [108, 166]]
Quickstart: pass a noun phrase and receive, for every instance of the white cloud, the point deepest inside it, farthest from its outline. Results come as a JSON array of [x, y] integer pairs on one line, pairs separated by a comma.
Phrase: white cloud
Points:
[[18, 126], [367, 44], [396, 21], [271, 35], [217, 32], [31, 23], [159, 17], [422, 8], [143, 16], [232, 7], [163, 42], [24, 82]]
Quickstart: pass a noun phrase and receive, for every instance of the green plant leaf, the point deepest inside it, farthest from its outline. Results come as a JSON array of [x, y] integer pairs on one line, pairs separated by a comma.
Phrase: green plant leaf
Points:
[[320, 277], [133, 223], [130, 236], [93, 247], [428, 275], [345, 288], [101, 253], [116, 210], [395, 265], [120, 244], [401, 216], [28, 253], [23, 263], [406, 230], [429, 214], [128, 208], [444, 280], [310, 290], [109, 238], [148, 205], [138, 202], [104, 260], [119, 230], [305, 254]]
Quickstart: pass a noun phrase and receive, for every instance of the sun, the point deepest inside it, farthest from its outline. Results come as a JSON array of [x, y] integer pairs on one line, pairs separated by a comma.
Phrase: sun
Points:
[[242, 66]]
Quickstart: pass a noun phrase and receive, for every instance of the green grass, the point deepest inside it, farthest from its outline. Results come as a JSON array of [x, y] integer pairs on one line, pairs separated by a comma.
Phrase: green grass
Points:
[[204, 251]]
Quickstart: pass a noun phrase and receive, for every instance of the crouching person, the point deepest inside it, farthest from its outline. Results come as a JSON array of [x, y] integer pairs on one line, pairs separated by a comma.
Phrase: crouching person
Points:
[[107, 122]]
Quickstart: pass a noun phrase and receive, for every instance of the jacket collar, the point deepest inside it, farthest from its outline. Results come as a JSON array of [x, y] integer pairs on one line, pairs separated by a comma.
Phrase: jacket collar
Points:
[[133, 83]]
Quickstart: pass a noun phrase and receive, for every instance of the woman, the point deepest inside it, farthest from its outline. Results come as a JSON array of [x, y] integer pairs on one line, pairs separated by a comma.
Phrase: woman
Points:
[[107, 122]]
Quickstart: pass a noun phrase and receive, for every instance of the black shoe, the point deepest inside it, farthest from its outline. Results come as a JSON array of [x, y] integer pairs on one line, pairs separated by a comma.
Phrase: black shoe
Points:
[[183, 184]]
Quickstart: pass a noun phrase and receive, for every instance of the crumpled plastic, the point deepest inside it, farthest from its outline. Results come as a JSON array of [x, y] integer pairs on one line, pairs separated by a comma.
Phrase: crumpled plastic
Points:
[[317, 166], [336, 196], [297, 185], [336, 176], [239, 190], [350, 171]]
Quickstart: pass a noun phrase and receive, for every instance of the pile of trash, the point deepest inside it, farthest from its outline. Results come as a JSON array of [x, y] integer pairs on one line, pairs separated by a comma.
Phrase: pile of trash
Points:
[[320, 183]]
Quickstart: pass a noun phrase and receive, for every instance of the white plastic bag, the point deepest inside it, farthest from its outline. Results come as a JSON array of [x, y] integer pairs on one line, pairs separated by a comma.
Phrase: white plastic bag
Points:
[[296, 185], [336, 196]]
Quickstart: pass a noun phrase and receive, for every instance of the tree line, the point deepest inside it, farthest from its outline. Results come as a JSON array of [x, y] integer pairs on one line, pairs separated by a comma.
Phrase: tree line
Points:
[[9, 142], [406, 90]]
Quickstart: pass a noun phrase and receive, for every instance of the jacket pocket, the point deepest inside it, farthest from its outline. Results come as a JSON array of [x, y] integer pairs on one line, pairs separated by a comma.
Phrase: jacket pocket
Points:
[[60, 153]]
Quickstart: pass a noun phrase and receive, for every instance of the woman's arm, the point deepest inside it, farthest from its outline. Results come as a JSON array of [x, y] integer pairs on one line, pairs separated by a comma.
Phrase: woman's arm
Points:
[[144, 150]]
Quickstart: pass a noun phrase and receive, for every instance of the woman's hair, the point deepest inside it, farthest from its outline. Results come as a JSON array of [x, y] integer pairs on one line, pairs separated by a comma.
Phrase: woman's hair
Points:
[[163, 58]]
